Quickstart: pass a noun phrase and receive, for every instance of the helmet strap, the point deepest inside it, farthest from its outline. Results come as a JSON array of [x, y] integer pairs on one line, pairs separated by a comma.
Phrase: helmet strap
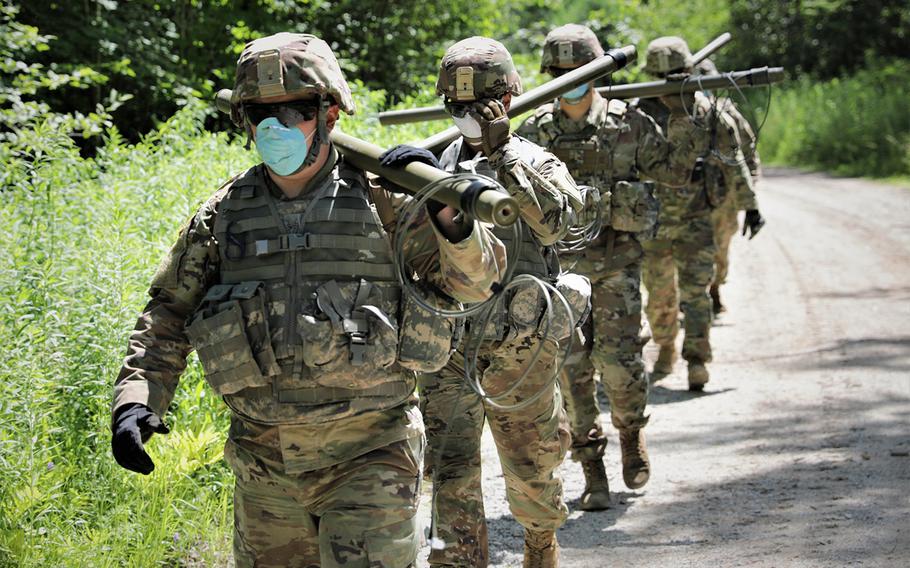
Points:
[[321, 135]]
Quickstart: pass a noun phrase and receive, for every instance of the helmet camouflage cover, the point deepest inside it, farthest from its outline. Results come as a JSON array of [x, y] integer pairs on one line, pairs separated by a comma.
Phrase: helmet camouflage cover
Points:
[[289, 64], [571, 45], [477, 68], [669, 54]]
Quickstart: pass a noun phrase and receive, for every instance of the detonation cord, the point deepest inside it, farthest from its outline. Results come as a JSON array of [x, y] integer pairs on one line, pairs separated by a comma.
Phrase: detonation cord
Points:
[[474, 337]]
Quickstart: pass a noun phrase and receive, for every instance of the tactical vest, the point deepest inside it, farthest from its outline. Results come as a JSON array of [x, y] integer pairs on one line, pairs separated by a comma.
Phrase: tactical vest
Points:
[[595, 157], [302, 325]]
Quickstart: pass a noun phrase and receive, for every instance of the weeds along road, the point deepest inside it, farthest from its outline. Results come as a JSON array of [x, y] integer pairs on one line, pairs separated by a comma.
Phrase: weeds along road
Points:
[[797, 452]]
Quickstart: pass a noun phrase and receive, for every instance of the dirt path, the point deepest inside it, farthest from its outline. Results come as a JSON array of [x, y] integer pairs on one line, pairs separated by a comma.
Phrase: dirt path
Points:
[[797, 452]]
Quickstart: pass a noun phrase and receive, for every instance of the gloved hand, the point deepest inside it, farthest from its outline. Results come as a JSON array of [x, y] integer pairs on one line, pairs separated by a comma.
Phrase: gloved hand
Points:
[[754, 223], [402, 155], [494, 124], [134, 424]]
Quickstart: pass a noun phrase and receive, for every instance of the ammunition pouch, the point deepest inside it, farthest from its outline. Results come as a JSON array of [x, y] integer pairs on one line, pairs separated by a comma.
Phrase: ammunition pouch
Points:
[[716, 190], [230, 334], [349, 335], [521, 312], [427, 340], [633, 207], [576, 289]]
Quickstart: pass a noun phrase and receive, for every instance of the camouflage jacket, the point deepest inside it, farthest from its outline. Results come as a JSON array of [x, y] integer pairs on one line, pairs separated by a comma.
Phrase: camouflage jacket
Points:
[[699, 132], [159, 345], [625, 143]]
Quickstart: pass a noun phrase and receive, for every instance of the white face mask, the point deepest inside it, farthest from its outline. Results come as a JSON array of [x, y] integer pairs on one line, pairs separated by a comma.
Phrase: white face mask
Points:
[[468, 126]]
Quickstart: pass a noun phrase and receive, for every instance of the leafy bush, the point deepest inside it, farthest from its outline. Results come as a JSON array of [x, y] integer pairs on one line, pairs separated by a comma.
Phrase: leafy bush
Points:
[[857, 125]]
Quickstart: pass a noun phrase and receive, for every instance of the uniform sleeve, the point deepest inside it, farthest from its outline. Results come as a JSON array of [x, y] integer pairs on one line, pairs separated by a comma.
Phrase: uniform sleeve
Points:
[[158, 347], [547, 196], [465, 270], [748, 140], [733, 164]]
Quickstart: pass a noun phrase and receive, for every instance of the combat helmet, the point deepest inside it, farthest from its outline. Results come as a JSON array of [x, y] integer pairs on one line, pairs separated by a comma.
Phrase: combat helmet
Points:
[[571, 45], [477, 68], [290, 64], [668, 55]]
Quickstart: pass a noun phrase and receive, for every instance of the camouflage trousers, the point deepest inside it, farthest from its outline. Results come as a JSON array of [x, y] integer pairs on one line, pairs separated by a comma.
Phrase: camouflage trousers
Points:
[[356, 513], [611, 341], [678, 268], [531, 442], [726, 224]]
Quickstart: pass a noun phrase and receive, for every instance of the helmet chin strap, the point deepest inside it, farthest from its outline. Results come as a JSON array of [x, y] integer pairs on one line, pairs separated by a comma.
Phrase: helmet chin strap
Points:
[[321, 136]]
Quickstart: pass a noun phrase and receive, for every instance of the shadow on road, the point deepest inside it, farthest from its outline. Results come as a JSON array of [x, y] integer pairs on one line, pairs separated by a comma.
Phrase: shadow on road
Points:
[[828, 493]]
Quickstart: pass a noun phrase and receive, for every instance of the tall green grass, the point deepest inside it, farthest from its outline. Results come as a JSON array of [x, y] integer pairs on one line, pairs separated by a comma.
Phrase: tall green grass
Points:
[[78, 245], [858, 125]]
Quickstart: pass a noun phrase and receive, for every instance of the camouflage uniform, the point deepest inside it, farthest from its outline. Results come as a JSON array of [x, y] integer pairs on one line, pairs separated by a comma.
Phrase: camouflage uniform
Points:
[[291, 305], [724, 216], [531, 441], [610, 148], [679, 263]]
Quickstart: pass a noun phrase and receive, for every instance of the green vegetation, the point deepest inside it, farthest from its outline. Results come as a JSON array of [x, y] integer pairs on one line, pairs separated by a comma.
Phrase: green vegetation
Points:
[[98, 171], [857, 125]]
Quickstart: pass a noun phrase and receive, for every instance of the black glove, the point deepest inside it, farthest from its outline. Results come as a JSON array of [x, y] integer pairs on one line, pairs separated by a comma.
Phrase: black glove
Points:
[[494, 124], [402, 155], [754, 223], [134, 424]]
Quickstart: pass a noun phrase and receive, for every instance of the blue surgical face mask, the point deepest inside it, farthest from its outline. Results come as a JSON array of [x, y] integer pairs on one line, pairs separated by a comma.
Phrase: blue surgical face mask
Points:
[[282, 148], [577, 93]]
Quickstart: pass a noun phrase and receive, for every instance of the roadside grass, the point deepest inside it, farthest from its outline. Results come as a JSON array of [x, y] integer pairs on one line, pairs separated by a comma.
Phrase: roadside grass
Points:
[[81, 238], [853, 126]]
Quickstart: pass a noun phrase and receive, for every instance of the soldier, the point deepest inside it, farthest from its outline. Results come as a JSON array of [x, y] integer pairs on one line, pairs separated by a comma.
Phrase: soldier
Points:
[[478, 79], [283, 282], [607, 145], [724, 216], [679, 263]]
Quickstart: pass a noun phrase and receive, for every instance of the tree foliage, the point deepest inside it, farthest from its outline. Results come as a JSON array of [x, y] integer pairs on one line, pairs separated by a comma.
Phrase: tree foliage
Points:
[[822, 38], [162, 51]]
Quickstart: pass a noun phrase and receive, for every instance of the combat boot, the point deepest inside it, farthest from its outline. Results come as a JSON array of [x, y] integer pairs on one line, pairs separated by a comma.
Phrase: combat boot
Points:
[[665, 359], [541, 549], [698, 376], [716, 305], [596, 496], [636, 467]]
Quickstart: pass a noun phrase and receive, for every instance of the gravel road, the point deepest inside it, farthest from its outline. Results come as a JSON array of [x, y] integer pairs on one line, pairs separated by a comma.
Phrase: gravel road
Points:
[[797, 452]]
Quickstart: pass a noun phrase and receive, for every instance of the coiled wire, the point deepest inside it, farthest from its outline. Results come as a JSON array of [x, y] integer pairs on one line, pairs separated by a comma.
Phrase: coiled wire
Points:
[[474, 337]]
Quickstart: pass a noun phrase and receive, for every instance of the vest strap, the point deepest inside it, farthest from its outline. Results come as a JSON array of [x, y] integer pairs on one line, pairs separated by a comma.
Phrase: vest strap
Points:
[[306, 241], [325, 395]]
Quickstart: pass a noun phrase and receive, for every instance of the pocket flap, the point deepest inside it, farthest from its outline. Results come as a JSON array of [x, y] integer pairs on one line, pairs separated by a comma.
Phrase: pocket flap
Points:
[[218, 293], [245, 290]]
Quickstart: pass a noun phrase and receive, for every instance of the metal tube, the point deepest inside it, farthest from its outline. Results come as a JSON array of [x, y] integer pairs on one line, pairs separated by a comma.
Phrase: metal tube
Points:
[[592, 70], [488, 206], [707, 50], [743, 79], [614, 60]]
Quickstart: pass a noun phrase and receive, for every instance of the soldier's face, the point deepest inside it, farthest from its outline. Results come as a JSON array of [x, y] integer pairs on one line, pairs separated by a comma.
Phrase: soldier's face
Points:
[[291, 111]]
